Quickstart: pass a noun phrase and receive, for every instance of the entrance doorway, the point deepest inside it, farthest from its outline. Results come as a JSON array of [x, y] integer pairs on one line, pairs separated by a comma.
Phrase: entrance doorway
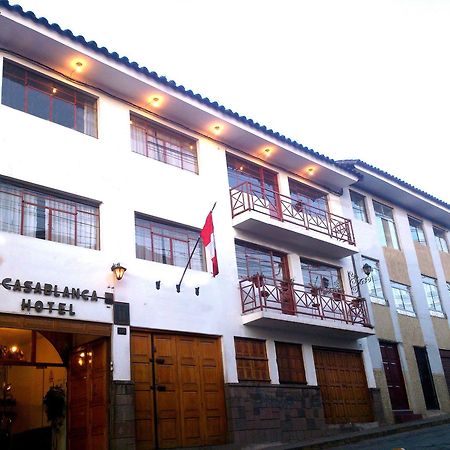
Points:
[[69, 371], [394, 376], [179, 390], [426, 378], [343, 386]]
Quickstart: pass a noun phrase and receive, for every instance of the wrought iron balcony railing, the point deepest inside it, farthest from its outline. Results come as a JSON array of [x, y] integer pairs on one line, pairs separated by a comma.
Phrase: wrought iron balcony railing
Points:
[[248, 197], [260, 293]]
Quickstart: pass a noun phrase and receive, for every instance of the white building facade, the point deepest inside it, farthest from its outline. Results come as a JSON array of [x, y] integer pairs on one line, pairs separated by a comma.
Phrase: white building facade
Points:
[[105, 162]]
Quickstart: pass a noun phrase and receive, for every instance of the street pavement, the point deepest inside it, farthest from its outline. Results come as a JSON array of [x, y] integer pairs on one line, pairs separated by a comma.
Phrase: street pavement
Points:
[[436, 438]]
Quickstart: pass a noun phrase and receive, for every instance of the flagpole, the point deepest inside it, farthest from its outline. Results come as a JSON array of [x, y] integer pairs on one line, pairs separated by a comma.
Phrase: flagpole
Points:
[[178, 286]]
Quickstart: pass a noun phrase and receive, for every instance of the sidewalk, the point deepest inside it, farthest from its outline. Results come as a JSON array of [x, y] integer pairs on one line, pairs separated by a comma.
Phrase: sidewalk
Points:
[[338, 439], [358, 436]]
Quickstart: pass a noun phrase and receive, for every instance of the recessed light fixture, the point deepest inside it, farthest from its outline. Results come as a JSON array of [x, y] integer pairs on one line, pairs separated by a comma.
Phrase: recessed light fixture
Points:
[[267, 150], [155, 101], [217, 129], [54, 90], [311, 170], [78, 66]]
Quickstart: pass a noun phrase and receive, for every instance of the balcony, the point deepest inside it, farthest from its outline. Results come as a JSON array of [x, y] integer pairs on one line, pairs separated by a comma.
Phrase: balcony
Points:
[[268, 213], [288, 305]]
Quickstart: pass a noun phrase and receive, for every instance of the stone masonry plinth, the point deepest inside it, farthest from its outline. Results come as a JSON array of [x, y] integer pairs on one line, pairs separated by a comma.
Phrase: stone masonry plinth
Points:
[[273, 413]]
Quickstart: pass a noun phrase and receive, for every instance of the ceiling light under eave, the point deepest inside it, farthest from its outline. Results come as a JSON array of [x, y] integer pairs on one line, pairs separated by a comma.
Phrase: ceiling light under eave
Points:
[[155, 101], [78, 66], [217, 129], [310, 170]]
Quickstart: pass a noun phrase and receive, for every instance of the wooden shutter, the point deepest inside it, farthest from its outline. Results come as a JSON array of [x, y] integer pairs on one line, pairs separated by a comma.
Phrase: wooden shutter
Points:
[[251, 360], [290, 363]]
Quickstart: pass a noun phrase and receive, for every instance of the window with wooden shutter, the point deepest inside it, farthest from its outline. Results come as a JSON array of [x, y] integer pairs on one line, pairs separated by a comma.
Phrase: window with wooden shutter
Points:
[[290, 363], [251, 360]]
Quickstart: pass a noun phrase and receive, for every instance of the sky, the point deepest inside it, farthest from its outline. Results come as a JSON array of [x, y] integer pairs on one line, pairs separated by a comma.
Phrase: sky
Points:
[[351, 79]]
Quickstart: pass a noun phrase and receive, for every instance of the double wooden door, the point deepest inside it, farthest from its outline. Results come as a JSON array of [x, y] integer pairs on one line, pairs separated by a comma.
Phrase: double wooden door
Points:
[[179, 391], [88, 397], [394, 376], [343, 386]]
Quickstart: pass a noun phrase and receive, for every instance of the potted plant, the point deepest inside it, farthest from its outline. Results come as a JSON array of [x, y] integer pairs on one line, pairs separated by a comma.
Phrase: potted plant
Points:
[[55, 406], [257, 280]]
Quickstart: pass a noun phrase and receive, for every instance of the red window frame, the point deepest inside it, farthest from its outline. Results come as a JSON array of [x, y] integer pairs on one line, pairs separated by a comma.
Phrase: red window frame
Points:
[[150, 229], [41, 202], [53, 89], [187, 147]]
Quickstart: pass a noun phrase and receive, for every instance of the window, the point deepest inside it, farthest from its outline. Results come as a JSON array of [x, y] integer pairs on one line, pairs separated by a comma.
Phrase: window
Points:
[[321, 276], [416, 230], [374, 281], [252, 260], [432, 293], [45, 216], [385, 225], [441, 240], [402, 297], [359, 206], [44, 97], [241, 171], [167, 244], [156, 142], [307, 196], [251, 360], [291, 368]]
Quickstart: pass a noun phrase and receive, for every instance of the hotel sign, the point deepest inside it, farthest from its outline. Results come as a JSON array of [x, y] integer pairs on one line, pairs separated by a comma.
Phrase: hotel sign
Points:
[[63, 306]]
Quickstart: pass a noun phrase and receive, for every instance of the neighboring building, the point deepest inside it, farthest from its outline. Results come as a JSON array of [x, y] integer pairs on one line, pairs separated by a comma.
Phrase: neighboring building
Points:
[[104, 161], [402, 233]]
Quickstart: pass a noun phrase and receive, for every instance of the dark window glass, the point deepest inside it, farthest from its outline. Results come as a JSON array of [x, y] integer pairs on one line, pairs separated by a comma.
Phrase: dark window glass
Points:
[[385, 225], [252, 261], [44, 216], [359, 206], [168, 244], [308, 196], [49, 99], [432, 293], [441, 240], [402, 297], [416, 230], [321, 276], [374, 280], [156, 142]]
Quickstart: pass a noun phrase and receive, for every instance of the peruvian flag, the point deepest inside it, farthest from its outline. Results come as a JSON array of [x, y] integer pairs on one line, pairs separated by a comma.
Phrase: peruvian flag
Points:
[[207, 235]]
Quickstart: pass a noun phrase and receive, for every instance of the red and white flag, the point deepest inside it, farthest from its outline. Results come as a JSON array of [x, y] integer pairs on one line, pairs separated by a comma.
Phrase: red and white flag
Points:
[[207, 235]]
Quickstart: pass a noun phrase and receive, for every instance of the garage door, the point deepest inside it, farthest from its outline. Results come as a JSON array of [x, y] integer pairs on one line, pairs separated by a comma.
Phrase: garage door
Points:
[[179, 390], [343, 386]]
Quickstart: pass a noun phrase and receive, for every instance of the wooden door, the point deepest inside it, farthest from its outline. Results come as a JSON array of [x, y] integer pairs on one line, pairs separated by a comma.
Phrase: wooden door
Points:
[[343, 386], [180, 391], [445, 358], [142, 375], [394, 376], [88, 397]]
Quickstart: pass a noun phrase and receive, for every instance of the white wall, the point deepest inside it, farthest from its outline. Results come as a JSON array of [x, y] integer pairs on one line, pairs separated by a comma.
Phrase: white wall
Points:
[[106, 170]]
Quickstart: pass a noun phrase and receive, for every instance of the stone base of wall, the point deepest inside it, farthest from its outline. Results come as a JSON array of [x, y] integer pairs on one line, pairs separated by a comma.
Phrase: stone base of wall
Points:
[[122, 416], [273, 413], [377, 405]]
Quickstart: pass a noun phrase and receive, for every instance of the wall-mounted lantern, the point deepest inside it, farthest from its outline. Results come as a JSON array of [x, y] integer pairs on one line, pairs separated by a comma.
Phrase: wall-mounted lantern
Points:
[[118, 270], [355, 281]]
